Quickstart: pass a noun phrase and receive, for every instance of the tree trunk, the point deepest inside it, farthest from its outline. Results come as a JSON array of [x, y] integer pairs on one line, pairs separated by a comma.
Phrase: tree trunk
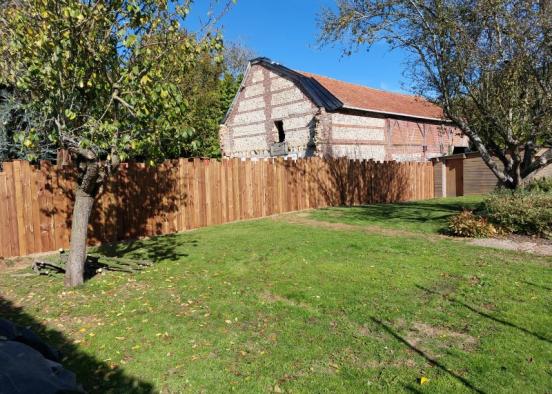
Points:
[[74, 273], [84, 200], [503, 177]]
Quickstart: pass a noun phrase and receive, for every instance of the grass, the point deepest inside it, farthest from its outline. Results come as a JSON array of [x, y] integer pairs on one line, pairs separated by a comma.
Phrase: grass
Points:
[[428, 216], [269, 306]]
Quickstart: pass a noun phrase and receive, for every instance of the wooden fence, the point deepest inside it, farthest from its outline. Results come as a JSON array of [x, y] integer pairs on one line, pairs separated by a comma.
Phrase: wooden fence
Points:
[[36, 201]]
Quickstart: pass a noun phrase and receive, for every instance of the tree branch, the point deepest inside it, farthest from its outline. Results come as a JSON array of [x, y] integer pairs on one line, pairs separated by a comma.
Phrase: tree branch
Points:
[[540, 162]]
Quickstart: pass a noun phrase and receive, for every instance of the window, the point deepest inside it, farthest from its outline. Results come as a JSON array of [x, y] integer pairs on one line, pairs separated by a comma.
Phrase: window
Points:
[[459, 149], [281, 133]]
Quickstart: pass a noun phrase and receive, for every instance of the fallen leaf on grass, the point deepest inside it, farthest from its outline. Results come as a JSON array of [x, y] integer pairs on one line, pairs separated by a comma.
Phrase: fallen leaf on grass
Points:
[[423, 380]]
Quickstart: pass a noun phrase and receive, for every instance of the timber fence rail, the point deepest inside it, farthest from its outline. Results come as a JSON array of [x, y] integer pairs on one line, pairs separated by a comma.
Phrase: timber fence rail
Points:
[[140, 201]]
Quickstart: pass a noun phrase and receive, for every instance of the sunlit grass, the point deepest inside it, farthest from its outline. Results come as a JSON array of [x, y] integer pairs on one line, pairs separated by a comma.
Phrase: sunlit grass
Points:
[[267, 306]]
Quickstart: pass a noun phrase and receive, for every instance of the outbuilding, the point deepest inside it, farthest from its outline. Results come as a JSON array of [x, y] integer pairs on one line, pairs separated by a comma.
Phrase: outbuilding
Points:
[[282, 112], [467, 174]]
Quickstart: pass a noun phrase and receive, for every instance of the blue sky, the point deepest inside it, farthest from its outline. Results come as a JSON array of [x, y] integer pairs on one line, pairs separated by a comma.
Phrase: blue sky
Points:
[[286, 32]]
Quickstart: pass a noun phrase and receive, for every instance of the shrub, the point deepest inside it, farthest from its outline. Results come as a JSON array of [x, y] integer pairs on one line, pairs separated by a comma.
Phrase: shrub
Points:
[[521, 211], [540, 185], [466, 224]]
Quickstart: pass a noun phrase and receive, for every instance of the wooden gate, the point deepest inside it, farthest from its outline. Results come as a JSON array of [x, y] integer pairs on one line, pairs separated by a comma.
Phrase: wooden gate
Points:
[[455, 177]]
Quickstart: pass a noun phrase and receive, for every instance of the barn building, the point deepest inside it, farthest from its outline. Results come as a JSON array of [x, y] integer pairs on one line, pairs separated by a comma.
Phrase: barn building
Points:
[[282, 112]]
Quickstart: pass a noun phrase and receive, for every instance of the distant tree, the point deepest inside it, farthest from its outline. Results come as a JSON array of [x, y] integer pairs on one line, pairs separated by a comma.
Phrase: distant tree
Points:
[[210, 89], [229, 86], [13, 144], [103, 79], [486, 62], [236, 58], [202, 90], [7, 149]]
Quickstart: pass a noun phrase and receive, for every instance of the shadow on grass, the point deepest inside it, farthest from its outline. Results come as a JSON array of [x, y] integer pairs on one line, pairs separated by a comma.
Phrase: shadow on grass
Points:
[[166, 247], [95, 375], [486, 315], [538, 286], [135, 255], [429, 359], [414, 212], [429, 215], [411, 389]]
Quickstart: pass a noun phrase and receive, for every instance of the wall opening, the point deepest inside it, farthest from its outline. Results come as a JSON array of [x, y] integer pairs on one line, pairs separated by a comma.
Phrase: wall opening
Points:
[[459, 149], [281, 133]]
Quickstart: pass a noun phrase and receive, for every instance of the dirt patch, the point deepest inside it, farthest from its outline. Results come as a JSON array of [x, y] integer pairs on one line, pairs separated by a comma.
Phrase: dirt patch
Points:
[[15, 264], [527, 238], [320, 368], [302, 218], [446, 285], [364, 331], [432, 340], [540, 247], [401, 363], [537, 246], [12, 264], [351, 358], [271, 298]]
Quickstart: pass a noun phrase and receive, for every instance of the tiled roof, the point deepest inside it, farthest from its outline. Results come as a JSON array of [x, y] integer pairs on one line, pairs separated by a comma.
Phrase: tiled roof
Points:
[[362, 97], [334, 95]]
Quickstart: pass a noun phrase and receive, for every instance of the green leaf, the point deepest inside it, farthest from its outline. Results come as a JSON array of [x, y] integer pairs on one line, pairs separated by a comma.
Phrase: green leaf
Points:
[[130, 41], [70, 114]]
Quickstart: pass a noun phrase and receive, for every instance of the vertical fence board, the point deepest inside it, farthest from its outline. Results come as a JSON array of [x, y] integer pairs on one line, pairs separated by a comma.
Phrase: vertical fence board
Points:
[[27, 206], [174, 200], [19, 207], [218, 196], [57, 202], [255, 184], [217, 214], [278, 185], [11, 209], [35, 208], [188, 207], [265, 205], [202, 202], [226, 183], [210, 190], [290, 194], [234, 163], [4, 226], [248, 197], [180, 192], [241, 189]]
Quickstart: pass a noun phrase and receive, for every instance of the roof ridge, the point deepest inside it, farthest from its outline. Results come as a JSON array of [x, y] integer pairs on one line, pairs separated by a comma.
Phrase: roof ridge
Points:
[[307, 73], [333, 94]]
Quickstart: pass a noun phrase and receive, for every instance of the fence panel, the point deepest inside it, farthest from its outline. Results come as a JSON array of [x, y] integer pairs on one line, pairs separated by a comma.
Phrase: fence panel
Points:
[[36, 201]]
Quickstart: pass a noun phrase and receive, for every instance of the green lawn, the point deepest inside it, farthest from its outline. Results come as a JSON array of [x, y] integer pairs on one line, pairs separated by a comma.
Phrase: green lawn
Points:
[[429, 216], [271, 306]]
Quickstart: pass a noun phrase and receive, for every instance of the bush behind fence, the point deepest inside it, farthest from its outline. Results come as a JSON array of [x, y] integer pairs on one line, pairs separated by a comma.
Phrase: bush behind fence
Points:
[[36, 201]]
